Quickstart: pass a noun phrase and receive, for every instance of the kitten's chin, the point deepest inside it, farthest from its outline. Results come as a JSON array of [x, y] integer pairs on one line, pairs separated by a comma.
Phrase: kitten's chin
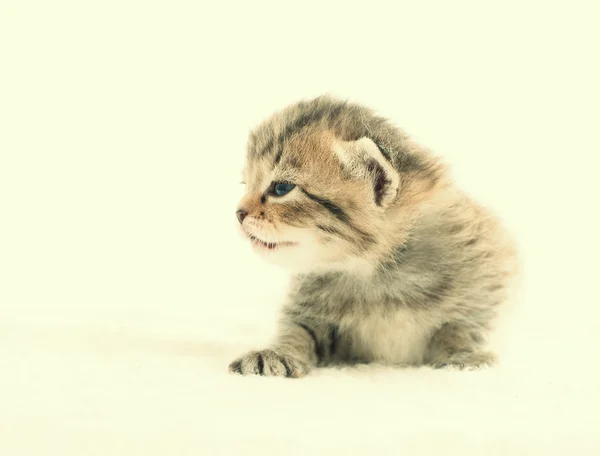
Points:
[[303, 260], [294, 258], [306, 254]]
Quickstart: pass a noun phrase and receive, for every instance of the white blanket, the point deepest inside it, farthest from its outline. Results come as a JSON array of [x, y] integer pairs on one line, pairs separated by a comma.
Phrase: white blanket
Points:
[[134, 385]]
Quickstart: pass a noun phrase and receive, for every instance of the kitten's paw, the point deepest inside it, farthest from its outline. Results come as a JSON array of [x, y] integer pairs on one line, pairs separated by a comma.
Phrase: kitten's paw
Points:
[[465, 361], [269, 363]]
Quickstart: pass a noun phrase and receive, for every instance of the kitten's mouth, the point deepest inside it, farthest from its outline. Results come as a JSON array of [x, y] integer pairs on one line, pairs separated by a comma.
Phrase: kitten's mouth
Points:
[[263, 245]]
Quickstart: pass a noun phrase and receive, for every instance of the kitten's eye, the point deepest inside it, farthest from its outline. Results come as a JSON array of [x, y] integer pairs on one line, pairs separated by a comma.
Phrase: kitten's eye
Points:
[[282, 188]]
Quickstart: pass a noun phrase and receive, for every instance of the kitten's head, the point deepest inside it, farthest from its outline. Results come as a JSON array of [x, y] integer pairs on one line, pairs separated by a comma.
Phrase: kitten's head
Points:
[[321, 192]]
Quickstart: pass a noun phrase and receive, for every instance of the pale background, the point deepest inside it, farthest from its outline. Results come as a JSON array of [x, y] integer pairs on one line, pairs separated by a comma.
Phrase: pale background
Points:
[[125, 290]]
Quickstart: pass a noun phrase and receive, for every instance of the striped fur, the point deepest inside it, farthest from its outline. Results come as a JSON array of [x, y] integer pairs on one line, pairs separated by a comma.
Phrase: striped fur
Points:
[[391, 262]]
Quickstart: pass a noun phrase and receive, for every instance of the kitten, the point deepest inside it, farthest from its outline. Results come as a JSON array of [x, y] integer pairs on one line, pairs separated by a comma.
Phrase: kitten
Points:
[[391, 262]]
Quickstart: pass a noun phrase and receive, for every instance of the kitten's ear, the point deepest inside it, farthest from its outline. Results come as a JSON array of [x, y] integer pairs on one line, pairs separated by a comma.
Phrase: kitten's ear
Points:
[[364, 159]]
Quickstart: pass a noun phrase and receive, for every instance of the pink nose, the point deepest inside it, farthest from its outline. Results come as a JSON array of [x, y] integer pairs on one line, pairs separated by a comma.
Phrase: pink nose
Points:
[[241, 215]]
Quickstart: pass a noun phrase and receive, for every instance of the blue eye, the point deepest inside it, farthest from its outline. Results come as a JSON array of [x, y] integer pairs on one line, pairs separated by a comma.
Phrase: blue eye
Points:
[[282, 188]]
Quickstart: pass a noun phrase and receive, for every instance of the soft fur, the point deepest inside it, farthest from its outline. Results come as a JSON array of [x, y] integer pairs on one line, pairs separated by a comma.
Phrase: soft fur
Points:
[[392, 263]]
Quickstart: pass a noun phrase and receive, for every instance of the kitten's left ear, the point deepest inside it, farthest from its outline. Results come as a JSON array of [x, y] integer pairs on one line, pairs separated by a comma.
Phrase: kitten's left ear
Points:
[[364, 159]]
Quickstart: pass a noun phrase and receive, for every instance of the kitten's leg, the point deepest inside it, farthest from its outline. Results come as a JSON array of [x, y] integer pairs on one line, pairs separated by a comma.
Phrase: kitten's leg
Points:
[[461, 346], [299, 346]]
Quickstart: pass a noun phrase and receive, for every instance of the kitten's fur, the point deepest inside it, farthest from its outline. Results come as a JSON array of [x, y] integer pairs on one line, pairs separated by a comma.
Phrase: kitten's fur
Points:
[[392, 263]]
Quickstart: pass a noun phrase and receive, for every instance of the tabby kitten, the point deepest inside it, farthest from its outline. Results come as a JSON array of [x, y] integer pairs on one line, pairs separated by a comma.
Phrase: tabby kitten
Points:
[[391, 262]]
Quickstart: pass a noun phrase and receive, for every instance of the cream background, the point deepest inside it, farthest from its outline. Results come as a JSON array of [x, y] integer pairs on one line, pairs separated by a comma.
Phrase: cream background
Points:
[[125, 291]]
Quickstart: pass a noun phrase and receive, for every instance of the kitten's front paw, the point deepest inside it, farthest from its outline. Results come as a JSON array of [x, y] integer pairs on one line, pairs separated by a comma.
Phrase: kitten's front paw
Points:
[[269, 363], [466, 361]]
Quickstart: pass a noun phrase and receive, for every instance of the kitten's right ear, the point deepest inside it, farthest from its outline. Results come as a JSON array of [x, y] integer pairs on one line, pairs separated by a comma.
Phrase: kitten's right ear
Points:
[[364, 159]]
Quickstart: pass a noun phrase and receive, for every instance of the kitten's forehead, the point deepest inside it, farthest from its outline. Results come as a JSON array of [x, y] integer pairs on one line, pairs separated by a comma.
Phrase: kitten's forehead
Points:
[[306, 153], [298, 136], [257, 174]]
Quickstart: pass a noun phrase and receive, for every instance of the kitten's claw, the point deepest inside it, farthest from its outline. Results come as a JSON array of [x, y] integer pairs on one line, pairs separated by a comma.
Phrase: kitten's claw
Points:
[[269, 363], [466, 361]]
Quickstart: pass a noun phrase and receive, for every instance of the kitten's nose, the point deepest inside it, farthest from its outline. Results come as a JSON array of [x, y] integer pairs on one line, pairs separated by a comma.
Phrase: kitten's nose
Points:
[[241, 215]]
